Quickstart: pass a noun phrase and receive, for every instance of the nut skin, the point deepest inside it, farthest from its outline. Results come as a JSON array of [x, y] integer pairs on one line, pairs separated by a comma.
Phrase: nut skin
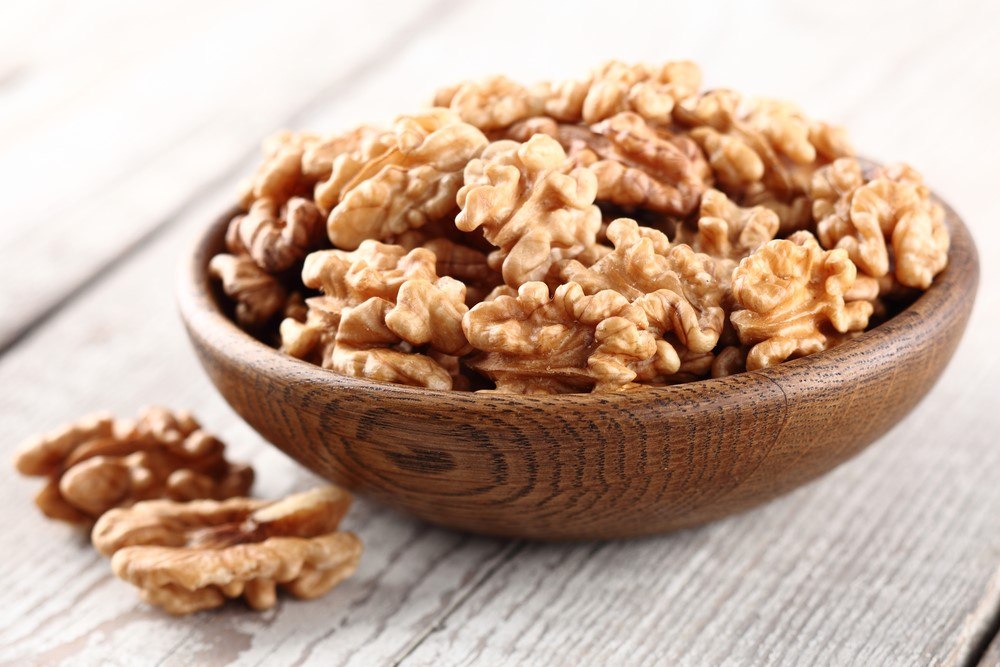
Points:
[[186, 557], [101, 463]]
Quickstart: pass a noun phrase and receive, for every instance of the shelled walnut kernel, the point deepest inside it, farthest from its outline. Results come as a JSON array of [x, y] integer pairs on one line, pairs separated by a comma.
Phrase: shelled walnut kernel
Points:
[[628, 227]]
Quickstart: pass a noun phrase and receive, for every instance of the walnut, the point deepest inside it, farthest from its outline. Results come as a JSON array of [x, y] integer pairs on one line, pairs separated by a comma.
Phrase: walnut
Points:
[[276, 238], [285, 171], [466, 264], [730, 360], [648, 90], [867, 217], [366, 347], [569, 341], [100, 462], [791, 295], [258, 295], [678, 289], [761, 149], [527, 206], [636, 164], [729, 231], [186, 557], [377, 300], [492, 103], [411, 180]]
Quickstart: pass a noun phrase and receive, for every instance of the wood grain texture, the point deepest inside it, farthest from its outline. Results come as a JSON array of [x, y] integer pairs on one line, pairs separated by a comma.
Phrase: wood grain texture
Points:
[[891, 559], [584, 466]]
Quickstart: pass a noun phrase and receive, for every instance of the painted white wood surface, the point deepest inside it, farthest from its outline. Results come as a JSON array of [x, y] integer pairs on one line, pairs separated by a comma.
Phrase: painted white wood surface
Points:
[[892, 559]]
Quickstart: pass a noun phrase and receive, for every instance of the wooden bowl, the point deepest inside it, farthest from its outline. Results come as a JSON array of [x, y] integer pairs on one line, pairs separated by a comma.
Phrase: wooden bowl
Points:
[[585, 466]]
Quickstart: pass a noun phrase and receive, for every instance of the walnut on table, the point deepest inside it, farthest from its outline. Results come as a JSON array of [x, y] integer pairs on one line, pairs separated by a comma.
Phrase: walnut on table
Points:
[[677, 288], [379, 304], [99, 463], [762, 151], [637, 165], [791, 299], [528, 206], [409, 181], [186, 557], [887, 222]]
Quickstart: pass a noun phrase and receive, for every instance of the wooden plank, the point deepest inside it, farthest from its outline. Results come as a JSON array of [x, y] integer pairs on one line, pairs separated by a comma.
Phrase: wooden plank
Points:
[[893, 558], [115, 165], [121, 346], [992, 656]]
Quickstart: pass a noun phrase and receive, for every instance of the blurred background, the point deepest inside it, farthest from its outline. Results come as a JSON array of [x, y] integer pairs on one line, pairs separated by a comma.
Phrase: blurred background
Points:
[[124, 130]]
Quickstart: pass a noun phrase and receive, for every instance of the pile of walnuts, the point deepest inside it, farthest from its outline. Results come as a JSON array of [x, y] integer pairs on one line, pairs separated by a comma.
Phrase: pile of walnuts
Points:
[[599, 234], [171, 512]]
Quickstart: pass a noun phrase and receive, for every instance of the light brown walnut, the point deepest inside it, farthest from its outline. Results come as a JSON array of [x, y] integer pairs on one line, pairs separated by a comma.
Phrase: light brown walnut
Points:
[[791, 300], [885, 222], [678, 289], [761, 150], [729, 231], [366, 347], [276, 237], [637, 165], [186, 557], [257, 295], [535, 342], [648, 90], [412, 180], [279, 175], [99, 463], [378, 303], [492, 103], [528, 206]]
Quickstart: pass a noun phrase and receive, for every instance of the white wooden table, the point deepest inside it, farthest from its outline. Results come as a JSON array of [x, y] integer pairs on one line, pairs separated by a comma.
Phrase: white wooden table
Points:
[[123, 130]]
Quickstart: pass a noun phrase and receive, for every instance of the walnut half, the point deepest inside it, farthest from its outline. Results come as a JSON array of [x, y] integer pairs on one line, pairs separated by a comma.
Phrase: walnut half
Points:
[[186, 557], [99, 463]]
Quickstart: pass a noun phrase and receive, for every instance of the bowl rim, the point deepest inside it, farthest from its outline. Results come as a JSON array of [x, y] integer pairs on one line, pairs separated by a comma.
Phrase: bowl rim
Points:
[[203, 315]]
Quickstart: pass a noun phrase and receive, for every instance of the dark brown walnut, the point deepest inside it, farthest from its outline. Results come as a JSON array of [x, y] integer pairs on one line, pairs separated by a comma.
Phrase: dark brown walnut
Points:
[[100, 463], [277, 237], [186, 557]]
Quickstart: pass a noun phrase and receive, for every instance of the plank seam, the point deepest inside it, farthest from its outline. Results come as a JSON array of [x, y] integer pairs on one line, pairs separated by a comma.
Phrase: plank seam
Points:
[[505, 557]]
